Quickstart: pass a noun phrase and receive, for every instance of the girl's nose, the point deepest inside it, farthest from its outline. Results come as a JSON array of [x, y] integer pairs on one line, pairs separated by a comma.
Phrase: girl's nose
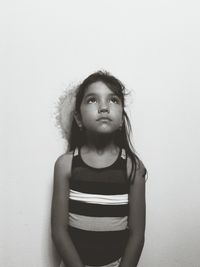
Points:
[[103, 107]]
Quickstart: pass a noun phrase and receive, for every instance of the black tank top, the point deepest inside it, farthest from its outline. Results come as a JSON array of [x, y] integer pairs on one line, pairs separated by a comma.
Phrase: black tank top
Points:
[[98, 210]]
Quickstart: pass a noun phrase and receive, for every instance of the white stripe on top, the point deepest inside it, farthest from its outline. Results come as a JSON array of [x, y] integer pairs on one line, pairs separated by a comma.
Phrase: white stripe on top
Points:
[[112, 264], [98, 223], [99, 199]]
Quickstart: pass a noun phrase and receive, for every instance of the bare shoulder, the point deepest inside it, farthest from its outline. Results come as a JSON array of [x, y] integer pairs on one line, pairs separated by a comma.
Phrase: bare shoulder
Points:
[[140, 167], [62, 159], [62, 165], [62, 173]]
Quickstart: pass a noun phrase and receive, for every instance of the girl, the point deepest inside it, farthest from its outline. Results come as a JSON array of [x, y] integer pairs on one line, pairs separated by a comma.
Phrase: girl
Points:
[[98, 204]]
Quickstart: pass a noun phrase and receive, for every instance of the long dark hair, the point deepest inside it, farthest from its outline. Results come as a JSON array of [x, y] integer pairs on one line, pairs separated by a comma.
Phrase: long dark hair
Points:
[[123, 137]]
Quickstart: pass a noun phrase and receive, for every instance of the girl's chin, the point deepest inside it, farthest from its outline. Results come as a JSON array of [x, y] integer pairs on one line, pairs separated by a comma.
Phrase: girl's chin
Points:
[[104, 131]]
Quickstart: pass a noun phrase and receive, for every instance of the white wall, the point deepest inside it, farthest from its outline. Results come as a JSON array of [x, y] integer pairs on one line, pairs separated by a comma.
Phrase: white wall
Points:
[[153, 47]]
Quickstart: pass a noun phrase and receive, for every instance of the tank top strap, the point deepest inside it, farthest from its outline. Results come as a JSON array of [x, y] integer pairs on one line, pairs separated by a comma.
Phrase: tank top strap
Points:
[[75, 158], [76, 152], [123, 153]]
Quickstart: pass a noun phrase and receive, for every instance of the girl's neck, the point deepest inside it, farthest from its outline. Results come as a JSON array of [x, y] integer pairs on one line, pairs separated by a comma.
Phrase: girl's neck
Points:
[[100, 143]]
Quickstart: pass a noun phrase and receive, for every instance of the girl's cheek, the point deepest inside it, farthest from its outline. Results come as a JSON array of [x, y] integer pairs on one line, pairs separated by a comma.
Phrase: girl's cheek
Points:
[[89, 112]]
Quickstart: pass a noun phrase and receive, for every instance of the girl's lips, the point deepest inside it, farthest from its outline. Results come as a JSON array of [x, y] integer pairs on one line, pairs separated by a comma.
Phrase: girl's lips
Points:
[[104, 119]]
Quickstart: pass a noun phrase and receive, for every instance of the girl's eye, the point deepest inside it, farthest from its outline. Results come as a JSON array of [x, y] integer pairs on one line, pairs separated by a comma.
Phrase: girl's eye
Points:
[[115, 100], [91, 100]]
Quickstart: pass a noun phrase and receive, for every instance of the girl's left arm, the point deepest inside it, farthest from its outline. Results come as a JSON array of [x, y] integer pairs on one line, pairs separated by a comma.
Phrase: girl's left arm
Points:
[[137, 214]]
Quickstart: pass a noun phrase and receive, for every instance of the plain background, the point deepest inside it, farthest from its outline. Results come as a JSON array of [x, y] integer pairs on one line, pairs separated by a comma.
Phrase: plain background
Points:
[[151, 46]]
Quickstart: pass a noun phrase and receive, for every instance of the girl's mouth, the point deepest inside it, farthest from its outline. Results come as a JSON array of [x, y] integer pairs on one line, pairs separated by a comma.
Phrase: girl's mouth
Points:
[[103, 119]]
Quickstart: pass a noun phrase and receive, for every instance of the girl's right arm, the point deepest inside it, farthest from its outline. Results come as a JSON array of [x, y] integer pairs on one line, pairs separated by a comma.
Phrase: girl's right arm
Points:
[[59, 212]]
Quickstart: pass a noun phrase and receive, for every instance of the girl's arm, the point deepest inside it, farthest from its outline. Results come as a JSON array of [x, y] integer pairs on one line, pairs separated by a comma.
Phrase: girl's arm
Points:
[[59, 213], [137, 214]]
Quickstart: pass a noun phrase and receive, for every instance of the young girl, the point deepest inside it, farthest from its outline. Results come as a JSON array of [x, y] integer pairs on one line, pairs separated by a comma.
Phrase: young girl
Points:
[[98, 204]]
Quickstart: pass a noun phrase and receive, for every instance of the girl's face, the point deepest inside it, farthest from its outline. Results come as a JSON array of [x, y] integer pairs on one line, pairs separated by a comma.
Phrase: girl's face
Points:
[[101, 110]]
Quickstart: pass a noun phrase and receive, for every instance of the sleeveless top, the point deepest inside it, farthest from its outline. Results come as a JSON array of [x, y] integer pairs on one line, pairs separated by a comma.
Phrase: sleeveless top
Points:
[[98, 210]]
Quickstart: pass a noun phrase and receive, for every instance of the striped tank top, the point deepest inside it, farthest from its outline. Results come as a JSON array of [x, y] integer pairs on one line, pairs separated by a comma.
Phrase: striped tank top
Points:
[[98, 210]]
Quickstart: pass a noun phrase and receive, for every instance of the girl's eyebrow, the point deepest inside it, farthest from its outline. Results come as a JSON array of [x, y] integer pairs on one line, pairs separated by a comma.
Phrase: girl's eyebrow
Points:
[[90, 94], [95, 94]]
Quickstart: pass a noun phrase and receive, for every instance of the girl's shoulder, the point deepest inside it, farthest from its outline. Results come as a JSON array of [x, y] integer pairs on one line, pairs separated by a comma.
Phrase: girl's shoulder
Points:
[[140, 167], [63, 164]]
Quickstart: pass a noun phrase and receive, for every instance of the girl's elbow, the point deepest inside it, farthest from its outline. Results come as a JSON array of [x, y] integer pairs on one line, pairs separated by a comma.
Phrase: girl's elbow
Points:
[[54, 234], [57, 232], [138, 237], [140, 240]]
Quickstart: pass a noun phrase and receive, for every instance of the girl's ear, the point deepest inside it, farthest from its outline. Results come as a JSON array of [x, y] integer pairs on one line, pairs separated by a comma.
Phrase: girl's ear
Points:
[[77, 118]]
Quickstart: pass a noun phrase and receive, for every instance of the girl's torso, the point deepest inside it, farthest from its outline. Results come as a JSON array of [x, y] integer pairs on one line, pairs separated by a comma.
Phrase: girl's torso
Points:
[[98, 210]]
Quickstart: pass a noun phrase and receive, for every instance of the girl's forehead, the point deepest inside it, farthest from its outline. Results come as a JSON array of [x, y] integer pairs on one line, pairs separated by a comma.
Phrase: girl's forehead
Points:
[[98, 88]]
